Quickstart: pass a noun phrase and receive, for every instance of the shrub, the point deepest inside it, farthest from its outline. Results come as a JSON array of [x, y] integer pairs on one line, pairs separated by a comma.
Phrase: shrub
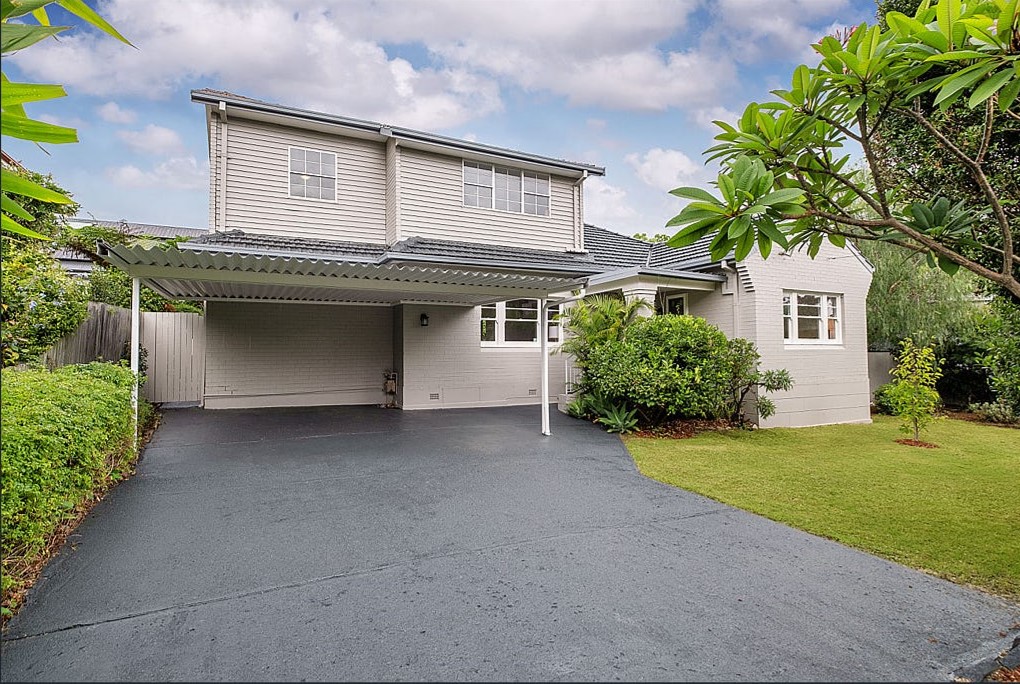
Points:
[[618, 419], [747, 377], [1002, 342], [41, 302], [593, 321], [996, 412], [667, 367], [912, 395], [67, 435], [113, 286], [883, 402]]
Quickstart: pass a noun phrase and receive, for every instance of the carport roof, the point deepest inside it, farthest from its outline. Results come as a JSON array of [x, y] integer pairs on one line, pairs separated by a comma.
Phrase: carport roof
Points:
[[242, 266]]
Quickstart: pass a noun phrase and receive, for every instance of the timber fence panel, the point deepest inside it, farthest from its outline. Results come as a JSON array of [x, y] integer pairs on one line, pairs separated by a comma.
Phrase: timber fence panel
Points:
[[176, 357], [104, 335]]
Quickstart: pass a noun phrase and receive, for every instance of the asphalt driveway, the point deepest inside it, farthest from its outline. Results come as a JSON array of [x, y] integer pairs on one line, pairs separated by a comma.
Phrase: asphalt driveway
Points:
[[363, 543]]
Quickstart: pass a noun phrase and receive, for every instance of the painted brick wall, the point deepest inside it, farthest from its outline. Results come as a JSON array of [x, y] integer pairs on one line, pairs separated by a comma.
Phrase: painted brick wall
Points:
[[446, 359], [830, 382], [266, 354]]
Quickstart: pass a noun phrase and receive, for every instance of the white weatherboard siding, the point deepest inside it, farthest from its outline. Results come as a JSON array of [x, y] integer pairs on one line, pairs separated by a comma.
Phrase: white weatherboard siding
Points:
[[257, 185], [432, 205], [830, 381], [447, 359], [268, 354]]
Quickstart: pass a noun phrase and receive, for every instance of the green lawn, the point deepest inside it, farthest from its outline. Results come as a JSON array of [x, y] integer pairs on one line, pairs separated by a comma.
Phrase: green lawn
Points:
[[953, 511]]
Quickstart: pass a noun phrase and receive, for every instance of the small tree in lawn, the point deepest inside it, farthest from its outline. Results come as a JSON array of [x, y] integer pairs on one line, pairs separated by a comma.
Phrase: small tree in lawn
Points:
[[913, 395]]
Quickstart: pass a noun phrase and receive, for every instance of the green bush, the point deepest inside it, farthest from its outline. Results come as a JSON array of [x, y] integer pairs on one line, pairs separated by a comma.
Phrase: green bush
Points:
[[996, 412], [113, 286], [41, 302], [666, 367], [883, 402], [1002, 357], [67, 434]]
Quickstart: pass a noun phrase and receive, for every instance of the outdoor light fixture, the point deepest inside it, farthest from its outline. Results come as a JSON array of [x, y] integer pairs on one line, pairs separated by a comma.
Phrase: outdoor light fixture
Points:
[[424, 320]]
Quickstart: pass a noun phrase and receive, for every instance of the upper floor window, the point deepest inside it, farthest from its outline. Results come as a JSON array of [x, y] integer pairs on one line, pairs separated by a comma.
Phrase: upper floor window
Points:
[[506, 189], [312, 174], [812, 318], [515, 324]]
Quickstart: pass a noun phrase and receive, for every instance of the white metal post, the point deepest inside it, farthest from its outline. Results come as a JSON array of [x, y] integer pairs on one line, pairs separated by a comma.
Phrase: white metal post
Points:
[[136, 302], [544, 346]]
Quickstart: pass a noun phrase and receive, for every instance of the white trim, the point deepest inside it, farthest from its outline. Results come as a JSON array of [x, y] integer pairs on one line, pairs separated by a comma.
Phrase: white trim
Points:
[[543, 315], [500, 322], [823, 319], [136, 338], [336, 174], [492, 188], [683, 297]]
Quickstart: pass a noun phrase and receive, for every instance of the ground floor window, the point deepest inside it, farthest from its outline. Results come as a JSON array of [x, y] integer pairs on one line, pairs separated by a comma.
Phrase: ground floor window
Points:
[[812, 318], [515, 324]]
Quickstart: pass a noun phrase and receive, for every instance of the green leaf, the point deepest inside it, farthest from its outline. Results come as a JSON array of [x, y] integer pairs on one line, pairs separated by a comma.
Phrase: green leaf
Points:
[[694, 194], [12, 226], [14, 37], [837, 240], [79, 9], [14, 94], [744, 245], [739, 226], [965, 78], [782, 196], [36, 131], [727, 188], [16, 185], [1008, 94], [947, 12], [956, 56], [989, 87], [950, 267], [22, 7], [764, 245], [767, 226], [12, 207]]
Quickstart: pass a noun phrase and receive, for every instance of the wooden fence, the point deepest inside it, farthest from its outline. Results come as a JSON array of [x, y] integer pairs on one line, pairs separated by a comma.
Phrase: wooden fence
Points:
[[174, 344]]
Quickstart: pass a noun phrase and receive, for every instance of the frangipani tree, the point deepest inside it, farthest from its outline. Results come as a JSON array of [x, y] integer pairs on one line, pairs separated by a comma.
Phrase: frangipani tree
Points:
[[786, 179], [14, 122]]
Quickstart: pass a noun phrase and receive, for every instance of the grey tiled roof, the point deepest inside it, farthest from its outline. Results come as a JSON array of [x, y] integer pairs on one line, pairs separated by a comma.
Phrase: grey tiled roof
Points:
[[613, 250], [473, 250], [133, 228], [279, 243], [664, 256]]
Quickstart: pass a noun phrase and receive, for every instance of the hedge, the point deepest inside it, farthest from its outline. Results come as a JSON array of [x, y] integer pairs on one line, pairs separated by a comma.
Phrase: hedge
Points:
[[67, 436]]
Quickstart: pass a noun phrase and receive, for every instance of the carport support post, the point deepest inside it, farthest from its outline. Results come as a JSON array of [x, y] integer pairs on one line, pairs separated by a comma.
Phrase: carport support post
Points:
[[136, 301], [544, 346]]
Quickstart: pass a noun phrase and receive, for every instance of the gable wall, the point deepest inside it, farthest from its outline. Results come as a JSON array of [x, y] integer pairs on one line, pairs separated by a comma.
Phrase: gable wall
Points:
[[830, 382]]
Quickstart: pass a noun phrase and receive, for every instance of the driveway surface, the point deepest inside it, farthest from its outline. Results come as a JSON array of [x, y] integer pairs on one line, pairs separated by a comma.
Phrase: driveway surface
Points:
[[363, 543]]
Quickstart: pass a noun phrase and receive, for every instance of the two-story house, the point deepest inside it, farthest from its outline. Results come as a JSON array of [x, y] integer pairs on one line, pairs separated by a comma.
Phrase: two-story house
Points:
[[343, 252]]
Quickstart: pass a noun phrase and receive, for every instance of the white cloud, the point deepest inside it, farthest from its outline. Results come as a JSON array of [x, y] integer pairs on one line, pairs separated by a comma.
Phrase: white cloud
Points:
[[176, 173], [71, 122], [707, 116], [664, 169], [606, 205], [153, 139], [111, 112]]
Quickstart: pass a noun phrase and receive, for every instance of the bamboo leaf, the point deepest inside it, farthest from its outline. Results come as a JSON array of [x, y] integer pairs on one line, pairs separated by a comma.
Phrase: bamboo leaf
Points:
[[12, 226], [12, 207], [36, 131], [79, 9], [16, 185], [14, 37], [13, 94]]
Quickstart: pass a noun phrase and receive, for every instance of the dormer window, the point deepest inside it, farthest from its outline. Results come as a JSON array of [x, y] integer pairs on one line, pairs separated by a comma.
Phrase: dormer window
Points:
[[506, 189], [312, 174]]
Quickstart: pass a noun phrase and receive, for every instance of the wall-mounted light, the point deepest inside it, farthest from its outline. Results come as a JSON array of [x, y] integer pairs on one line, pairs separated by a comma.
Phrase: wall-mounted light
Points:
[[424, 318]]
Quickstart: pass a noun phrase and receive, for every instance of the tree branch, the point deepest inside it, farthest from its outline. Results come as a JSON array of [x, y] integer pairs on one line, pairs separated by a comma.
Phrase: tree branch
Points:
[[986, 137]]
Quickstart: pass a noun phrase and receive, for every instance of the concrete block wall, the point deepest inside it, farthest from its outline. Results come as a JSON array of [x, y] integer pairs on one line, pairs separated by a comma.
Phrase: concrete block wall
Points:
[[274, 354], [445, 366]]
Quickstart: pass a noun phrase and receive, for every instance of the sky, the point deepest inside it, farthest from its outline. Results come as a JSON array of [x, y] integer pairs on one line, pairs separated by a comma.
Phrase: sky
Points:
[[630, 85]]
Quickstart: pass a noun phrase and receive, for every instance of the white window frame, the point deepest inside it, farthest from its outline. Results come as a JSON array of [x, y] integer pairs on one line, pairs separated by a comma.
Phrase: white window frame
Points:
[[824, 318], [522, 175], [500, 322], [682, 297], [336, 169]]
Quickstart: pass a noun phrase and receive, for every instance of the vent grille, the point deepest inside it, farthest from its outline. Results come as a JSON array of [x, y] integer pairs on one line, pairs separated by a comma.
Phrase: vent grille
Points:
[[532, 392], [434, 396]]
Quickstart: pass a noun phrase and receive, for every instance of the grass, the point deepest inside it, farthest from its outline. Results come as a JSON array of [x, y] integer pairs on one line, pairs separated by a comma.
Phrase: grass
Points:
[[953, 512]]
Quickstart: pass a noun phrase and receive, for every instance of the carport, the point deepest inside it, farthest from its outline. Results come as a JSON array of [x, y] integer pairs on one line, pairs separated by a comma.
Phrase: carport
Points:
[[236, 267]]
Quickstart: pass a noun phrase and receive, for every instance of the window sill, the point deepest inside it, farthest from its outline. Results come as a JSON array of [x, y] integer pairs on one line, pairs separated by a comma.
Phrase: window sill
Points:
[[813, 345], [519, 346]]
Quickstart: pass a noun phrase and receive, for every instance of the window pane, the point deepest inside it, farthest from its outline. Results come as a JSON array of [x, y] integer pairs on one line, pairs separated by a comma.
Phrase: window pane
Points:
[[786, 329], [554, 332], [522, 304], [297, 189], [297, 155], [786, 305], [329, 192], [832, 325], [521, 331], [832, 307], [488, 330], [484, 197], [808, 328], [543, 206], [328, 163], [488, 312]]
